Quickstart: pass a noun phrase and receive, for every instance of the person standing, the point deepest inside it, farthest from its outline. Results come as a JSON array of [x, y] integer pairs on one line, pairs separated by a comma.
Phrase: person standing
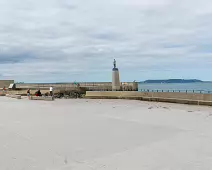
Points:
[[28, 93], [51, 91]]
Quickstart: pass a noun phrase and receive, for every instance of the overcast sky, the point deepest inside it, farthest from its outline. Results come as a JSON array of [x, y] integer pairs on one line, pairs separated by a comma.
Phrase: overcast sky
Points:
[[68, 40]]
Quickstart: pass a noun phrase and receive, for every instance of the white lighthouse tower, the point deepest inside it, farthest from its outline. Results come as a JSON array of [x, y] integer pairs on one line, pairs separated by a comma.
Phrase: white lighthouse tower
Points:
[[116, 86]]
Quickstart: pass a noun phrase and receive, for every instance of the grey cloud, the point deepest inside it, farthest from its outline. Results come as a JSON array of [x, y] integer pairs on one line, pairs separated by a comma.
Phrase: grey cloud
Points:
[[63, 40]]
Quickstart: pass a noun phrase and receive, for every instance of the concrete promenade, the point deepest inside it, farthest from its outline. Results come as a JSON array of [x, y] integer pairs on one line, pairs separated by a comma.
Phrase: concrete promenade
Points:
[[98, 134]]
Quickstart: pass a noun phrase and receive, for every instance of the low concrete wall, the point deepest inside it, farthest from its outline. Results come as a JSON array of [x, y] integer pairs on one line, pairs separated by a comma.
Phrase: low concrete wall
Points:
[[24, 92], [185, 98]]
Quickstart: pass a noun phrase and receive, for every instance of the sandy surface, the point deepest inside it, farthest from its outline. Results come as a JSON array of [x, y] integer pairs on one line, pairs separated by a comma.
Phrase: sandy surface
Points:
[[104, 135]]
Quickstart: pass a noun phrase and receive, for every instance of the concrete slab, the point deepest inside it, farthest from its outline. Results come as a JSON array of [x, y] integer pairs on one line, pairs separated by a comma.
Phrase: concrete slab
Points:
[[49, 98], [13, 96]]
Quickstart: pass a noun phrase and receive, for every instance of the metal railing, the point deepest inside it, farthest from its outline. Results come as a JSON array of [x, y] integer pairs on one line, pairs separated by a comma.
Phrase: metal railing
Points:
[[177, 91]]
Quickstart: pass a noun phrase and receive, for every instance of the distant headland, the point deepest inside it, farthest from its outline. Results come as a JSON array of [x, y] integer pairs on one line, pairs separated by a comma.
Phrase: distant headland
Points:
[[173, 81]]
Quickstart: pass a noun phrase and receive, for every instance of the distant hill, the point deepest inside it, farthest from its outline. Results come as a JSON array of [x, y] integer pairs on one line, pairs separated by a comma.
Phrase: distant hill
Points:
[[173, 81]]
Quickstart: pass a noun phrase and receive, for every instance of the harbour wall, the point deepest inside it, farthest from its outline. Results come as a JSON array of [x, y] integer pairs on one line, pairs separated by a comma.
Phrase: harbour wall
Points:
[[183, 98], [21, 88], [6, 83], [89, 86]]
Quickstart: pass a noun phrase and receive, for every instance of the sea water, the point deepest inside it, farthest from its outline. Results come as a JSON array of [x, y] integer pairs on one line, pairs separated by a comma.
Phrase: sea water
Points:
[[177, 87]]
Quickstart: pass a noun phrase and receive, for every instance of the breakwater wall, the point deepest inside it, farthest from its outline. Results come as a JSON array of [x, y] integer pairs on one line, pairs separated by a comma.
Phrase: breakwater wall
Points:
[[89, 86], [5, 83], [183, 98]]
